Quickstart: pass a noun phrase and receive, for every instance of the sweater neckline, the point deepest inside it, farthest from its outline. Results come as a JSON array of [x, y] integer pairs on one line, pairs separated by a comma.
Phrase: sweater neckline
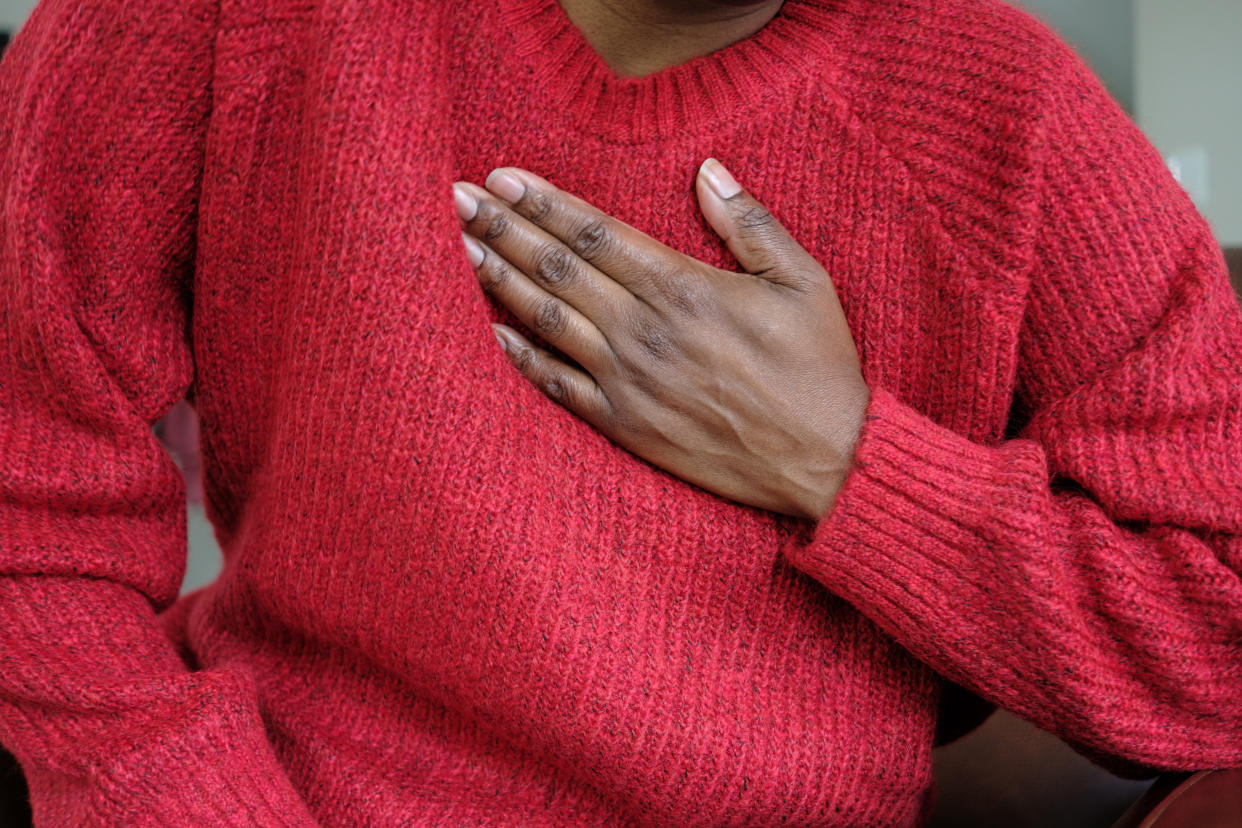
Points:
[[570, 75]]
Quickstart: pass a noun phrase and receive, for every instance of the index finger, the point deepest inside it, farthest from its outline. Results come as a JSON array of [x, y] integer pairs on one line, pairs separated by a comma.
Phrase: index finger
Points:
[[628, 256]]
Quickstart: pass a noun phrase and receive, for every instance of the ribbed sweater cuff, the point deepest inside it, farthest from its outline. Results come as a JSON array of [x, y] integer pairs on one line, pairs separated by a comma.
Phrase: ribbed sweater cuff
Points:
[[216, 773], [903, 540], [112, 729]]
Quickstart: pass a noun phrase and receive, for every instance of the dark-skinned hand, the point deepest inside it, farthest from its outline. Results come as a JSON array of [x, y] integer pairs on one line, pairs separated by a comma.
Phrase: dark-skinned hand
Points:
[[745, 384]]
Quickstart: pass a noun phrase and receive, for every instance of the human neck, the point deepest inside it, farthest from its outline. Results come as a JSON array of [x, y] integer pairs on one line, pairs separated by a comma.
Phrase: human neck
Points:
[[641, 37]]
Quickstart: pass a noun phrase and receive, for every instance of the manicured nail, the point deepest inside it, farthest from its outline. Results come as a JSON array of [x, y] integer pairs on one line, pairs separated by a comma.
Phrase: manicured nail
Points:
[[718, 178], [506, 185], [474, 250], [504, 343], [466, 204]]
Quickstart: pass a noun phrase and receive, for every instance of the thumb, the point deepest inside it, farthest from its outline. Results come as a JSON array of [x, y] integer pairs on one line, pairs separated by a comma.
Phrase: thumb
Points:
[[759, 242]]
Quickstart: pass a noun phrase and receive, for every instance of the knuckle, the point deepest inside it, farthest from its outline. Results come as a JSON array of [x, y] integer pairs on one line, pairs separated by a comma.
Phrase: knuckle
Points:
[[754, 217], [492, 274], [592, 240], [653, 340], [497, 226], [524, 358], [556, 388], [677, 289], [534, 205], [683, 297], [554, 266], [549, 318]]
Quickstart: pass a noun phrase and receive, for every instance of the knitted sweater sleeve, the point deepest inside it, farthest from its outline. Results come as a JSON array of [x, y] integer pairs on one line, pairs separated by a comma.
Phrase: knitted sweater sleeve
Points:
[[104, 108], [1084, 574]]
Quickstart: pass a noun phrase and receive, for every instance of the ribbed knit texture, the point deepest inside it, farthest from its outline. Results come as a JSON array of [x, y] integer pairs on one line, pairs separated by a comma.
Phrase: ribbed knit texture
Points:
[[448, 601]]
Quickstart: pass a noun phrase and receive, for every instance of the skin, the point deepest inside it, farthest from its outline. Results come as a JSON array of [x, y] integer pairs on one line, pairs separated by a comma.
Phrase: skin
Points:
[[745, 384], [640, 37]]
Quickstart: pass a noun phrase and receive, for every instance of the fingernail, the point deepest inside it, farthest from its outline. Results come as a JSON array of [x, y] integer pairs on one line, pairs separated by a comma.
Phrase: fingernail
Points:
[[474, 250], [504, 343], [505, 185], [718, 178], [466, 204]]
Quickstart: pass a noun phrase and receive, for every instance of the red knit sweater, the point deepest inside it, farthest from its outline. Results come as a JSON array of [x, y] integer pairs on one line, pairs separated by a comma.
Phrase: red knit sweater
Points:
[[448, 601]]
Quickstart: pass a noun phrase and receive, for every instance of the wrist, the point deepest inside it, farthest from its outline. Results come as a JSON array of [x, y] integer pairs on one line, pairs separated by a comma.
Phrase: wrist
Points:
[[816, 500]]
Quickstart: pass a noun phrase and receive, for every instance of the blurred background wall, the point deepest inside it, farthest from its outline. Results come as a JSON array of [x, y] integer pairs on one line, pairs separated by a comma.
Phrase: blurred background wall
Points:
[[13, 13], [1188, 99], [1102, 31]]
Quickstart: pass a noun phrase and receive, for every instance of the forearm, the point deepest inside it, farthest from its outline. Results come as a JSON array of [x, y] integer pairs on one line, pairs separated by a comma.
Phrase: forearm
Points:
[[99, 174]]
